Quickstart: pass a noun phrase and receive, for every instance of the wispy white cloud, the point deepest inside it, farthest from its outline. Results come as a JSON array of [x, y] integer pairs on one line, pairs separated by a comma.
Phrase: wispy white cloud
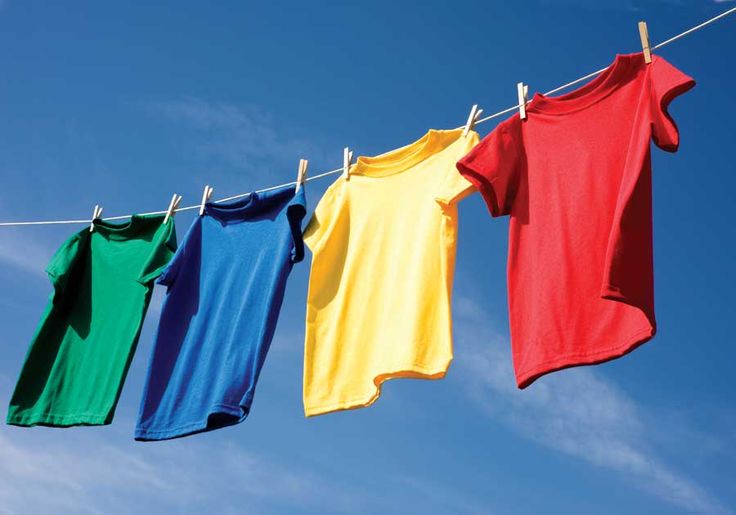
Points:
[[22, 251], [440, 498], [576, 412], [245, 137], [90, 475]]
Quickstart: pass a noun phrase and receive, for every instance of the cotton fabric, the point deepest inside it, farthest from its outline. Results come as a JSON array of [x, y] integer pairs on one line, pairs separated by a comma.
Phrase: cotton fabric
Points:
[[77, 362], [225, 286], [383, 244], [575, 178]]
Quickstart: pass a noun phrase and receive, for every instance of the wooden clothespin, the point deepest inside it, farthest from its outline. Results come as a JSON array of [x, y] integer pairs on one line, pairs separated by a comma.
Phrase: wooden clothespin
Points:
[[347, 158], [173, 205], [97, 213], [206, 194], [644, 35], [301, 174], [523, 92], [472, 118]]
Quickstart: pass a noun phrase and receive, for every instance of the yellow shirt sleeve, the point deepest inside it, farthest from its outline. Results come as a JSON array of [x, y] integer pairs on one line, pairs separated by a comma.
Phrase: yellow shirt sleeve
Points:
[[453, 186], [323, 216]]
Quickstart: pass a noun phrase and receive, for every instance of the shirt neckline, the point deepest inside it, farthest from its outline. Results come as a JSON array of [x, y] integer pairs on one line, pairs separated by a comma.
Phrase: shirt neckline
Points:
[[118, 230], [397, 161], [588, 94], [235, 211]]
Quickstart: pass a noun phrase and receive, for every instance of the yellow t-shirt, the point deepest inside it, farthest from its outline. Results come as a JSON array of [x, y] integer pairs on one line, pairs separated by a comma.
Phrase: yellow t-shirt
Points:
[[383, 244]]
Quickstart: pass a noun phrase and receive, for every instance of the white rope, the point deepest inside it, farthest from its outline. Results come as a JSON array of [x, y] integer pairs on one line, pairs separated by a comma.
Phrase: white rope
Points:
[[593, 74], [339, 170]]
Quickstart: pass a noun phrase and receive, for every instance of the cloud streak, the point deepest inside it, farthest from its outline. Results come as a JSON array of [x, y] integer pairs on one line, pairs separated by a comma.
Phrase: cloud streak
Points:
[[576, 412], [24, 252], [133, 478], [442, 499], [244, 137]]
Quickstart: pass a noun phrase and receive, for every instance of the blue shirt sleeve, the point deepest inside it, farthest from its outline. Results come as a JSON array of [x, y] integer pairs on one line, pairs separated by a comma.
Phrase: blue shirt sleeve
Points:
[[296, 212], [171, 271]]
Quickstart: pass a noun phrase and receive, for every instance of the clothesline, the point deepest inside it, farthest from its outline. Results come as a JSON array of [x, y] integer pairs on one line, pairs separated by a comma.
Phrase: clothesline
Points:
[[340, 170]]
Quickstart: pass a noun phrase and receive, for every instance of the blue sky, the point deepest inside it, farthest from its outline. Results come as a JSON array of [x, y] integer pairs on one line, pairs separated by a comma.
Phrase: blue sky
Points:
[[123, 103]]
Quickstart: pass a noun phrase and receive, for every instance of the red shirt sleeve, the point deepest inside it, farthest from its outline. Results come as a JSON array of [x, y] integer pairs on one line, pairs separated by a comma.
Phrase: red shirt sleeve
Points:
[[665, 83], [494, 165]]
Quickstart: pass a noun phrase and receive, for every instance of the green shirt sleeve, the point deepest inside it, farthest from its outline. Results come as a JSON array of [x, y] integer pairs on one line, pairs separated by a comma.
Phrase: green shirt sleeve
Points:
[[161, 254], [61, 266]]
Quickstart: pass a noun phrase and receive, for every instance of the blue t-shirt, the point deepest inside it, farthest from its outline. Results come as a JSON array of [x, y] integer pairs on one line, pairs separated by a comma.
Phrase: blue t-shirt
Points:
[[225, 287]]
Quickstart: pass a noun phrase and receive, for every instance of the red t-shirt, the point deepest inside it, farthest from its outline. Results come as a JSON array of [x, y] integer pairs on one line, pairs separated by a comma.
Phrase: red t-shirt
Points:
[[575, 176]]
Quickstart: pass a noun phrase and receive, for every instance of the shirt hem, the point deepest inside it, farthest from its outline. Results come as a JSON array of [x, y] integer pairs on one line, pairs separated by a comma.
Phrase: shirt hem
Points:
[[413, 372], [201, 426], [526, 378], [52, 420]]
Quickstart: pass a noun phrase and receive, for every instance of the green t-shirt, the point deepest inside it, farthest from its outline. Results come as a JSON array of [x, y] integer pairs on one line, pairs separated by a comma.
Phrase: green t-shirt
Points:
[[79, 357]]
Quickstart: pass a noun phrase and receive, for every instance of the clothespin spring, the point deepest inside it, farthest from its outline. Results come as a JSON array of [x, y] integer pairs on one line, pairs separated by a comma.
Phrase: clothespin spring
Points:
[[173, 205], [301, 174], [206, 194], [347, 158], [645, 47], [96, 213], [472, 119], [522, 91]]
